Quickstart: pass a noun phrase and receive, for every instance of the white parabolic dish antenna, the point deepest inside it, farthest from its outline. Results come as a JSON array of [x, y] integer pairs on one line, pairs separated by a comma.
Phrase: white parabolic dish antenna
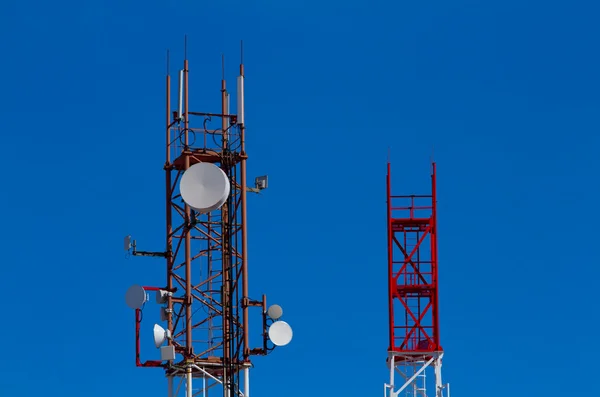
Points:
[[280, 333], [135, 297], [275, 312], [160, 334], [204, 187]]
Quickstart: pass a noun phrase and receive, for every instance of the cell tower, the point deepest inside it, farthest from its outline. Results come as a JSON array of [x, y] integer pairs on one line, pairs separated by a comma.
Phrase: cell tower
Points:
[[414, 344], [205, 343]]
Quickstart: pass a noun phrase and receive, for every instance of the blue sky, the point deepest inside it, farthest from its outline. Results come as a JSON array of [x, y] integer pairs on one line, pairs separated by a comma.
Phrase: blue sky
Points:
[[505, 94]]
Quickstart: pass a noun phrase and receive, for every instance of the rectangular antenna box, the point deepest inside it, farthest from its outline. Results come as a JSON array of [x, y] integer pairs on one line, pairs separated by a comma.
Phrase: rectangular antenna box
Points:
[[167, 353]]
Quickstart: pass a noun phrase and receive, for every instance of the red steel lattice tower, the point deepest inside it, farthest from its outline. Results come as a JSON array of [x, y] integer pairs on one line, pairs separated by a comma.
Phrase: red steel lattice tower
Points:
[[414, 337]]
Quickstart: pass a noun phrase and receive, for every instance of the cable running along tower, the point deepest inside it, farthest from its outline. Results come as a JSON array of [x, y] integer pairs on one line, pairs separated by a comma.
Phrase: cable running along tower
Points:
[[204, 342], [414, 337]]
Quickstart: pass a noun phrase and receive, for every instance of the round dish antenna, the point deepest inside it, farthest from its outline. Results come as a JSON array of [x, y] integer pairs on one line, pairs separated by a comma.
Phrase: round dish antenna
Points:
[[204, 187], [135, 297], [160, 335], [280, 333], [275, 312]]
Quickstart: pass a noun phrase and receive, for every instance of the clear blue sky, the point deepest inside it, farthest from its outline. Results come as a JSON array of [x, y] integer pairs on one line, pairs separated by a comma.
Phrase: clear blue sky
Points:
[[504, 93]]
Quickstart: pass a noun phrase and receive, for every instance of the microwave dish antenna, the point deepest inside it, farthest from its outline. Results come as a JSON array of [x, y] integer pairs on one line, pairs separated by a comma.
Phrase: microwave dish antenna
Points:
[[275, 312], [135, 297], [280, 333], [204, 187]]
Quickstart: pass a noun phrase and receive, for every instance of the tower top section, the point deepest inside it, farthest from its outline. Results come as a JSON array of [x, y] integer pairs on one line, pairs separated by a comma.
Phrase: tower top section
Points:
[[413, 271]]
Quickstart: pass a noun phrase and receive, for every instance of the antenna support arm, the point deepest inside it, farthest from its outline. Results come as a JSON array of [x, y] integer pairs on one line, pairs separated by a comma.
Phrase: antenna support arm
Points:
[[135, 252]]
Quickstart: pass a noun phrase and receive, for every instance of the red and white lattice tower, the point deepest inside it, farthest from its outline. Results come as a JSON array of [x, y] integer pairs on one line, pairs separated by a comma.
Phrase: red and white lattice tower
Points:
[[414, 339]]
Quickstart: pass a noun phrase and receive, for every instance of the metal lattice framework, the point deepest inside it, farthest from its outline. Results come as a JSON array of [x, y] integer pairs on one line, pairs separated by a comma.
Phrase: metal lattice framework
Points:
[[206, 267], [205, 250], [414, 341], [412, 267]]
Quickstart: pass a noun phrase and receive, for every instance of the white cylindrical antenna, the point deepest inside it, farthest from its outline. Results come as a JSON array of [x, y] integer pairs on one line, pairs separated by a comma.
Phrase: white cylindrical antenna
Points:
[[246, 382], [240, 99], [227, 112], [180, 114], [188, 388]]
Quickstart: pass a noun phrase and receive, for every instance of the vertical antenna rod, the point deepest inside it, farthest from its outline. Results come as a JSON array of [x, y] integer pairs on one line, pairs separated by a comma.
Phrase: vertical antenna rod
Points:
[[180, 96], [243, 158], [169, 220], [188, 240], [240, 97], [227, 260]]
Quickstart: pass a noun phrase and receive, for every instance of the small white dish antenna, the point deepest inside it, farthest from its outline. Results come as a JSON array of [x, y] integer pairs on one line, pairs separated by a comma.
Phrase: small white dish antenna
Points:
[[204, 187], [280, 333], [275, 312], [160, 335], [135, 297]]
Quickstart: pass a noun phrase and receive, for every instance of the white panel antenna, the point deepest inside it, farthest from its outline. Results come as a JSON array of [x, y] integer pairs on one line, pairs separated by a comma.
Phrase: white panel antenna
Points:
[[167, 353], [162, 296], [164, 313], [240, 100], [127, 243], [180, 104]]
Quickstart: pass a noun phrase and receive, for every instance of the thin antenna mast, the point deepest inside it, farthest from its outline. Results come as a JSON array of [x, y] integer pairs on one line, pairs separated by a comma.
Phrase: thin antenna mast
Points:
[[244, 212], [240, 89]]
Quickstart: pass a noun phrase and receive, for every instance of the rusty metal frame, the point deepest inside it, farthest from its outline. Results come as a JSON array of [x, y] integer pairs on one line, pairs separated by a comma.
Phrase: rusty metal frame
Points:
[[206, 254]]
